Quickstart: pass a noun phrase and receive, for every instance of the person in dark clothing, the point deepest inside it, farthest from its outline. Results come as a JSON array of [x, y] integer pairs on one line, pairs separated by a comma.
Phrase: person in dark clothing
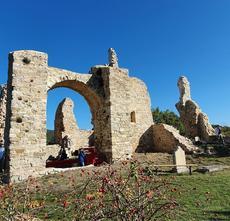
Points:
[[219, 134], [218, 130], [62, 154], [81, 157]]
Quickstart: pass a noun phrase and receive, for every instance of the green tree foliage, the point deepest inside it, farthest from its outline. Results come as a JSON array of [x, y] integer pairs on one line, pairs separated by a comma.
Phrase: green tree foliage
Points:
[[50, 139], [226, 130], [168, 117]]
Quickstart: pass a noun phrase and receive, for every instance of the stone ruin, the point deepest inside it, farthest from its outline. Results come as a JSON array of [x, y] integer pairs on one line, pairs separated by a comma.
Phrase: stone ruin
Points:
[[120, 106], [166, 138], [196, 123], [66, 125]]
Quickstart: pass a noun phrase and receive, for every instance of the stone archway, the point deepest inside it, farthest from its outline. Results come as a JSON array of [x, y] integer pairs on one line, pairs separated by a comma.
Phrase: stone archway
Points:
[[111, 94], [94, 102]]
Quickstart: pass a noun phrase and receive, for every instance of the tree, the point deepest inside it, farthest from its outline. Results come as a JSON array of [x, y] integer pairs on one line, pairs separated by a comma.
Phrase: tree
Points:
[[168, 117], [50, 138]]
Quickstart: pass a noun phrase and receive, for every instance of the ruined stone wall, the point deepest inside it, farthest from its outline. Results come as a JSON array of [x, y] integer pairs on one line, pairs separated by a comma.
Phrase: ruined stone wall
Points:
[[166, 138], [195, 122], [120, 108], [65, 122], [3, 96], [140, 105], [92, 87], [117, 136], [127, 96], [66, 125], [26, 105]]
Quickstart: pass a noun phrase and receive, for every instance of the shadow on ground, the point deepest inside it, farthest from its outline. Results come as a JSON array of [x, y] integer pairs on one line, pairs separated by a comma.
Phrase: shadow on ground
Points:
[[219, 215]]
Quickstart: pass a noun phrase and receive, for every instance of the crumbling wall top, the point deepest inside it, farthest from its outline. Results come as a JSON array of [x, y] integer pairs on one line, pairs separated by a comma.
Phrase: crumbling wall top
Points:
[[113, 60], [29, 57]]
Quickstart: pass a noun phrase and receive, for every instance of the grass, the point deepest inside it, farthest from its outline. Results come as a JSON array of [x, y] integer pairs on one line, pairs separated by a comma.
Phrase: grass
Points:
[[204, 196], [199, 197]]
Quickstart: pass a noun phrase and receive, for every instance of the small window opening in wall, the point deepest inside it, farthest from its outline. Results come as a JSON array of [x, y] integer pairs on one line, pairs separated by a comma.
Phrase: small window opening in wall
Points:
[[133, 117]]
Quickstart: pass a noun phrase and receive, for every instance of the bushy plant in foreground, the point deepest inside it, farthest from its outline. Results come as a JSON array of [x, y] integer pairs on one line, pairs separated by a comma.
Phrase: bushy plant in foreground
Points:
[[127, 192]]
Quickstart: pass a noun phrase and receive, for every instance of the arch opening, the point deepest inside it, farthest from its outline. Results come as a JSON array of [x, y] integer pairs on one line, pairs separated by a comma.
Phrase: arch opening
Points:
[[67, 114], [91, 135]]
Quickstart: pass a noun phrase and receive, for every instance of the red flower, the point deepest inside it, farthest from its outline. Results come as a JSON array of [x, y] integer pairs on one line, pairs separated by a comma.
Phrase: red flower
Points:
[[149, 194], [101, 190], [89, 197], [65, 204]]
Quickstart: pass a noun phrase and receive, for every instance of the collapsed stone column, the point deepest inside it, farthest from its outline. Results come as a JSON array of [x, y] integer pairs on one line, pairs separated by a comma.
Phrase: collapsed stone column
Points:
[[66, 125], [3, 96], [195, 122]]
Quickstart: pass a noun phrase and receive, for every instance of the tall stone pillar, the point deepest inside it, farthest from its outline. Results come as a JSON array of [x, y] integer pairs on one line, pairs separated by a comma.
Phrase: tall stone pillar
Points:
[[117, 104], [115, 133], [26, 109], [120, 113]]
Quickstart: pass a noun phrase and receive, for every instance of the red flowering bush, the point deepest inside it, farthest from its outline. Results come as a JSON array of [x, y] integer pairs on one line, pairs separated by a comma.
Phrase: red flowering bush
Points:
[[113, 195], [127, 191]]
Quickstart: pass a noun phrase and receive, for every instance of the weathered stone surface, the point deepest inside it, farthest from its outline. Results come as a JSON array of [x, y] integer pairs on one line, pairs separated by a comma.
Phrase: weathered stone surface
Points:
[[184, 89], [113, 60], [51, 150], [120, 107], [179, 160], [205, 128], [166, 138], [26, 109], [195, 122], [3, 95], [66, 125]]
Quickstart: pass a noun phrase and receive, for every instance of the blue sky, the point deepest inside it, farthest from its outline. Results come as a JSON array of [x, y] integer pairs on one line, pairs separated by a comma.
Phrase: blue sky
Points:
[[157, 40]]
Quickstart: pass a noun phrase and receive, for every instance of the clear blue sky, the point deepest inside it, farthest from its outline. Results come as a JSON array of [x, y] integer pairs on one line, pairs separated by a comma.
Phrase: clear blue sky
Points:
[[157, 40]]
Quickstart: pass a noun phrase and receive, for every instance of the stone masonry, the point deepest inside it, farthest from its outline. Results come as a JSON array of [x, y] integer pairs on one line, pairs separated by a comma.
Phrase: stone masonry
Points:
[[3, 93], [66, 125], [120, 107], [195, 122], [166, 139]]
